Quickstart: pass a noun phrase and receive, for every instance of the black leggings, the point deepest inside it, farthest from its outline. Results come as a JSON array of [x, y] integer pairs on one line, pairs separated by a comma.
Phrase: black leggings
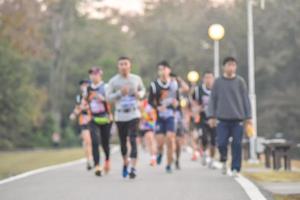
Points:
[[208, 136], [128, 129], [104, 138]]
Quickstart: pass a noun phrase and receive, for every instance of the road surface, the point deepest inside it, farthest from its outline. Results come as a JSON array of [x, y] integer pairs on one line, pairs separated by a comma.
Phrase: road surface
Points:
[[193, 182]]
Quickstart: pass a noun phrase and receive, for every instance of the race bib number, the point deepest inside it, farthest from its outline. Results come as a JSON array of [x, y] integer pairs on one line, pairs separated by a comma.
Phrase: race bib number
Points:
[[166, 114], [97, 106], [128, 103], [205, 101]]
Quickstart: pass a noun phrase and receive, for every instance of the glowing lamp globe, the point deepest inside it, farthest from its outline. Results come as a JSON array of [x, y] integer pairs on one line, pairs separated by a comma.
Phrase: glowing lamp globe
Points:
[[193, 76], [216, 32]]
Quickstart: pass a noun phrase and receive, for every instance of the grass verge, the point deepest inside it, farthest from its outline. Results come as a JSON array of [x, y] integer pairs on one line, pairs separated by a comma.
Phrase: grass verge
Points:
[[13, 163]]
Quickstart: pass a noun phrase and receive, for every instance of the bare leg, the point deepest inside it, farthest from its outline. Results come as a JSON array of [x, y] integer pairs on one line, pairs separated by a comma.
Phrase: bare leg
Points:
[[87, 144], [160, 138], [179, 143], [149, 137], [170, 147]]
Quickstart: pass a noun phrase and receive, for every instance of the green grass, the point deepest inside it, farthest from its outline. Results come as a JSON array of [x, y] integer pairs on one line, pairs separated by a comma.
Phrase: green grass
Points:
[[253, 165], [264, 175], [13, 163], [273, 176], [287, 197]]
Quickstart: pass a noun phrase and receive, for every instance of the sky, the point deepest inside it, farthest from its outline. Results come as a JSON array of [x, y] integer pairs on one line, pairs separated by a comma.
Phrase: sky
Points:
[[136, 6], [132, 7]]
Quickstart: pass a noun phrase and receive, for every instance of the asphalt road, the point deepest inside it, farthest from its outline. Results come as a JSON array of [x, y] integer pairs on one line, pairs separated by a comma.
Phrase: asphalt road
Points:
[[192, 182]]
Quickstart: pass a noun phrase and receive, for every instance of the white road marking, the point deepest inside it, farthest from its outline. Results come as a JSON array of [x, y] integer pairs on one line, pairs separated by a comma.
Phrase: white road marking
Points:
[[249, 187], [40, 170], [114, 149]]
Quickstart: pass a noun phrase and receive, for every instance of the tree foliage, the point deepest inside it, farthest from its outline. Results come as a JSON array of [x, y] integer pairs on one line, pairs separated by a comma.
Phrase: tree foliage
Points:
[[47, 46]]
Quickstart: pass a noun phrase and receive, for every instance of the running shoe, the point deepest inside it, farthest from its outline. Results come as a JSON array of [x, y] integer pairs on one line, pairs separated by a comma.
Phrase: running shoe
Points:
[[204, 159], [159, 159], [89, 166], [224, 168], [132, 173], [125, 171], [195, 156], [211, 164], [169, 169], [98, 171], [153, 162], [177, 165], [235, 173]]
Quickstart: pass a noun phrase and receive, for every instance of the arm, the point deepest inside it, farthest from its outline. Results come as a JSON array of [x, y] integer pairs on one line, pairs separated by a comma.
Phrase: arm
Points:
[[75, 112], [196, 100], [141, 89], [246, 100], [111, 94], [151, 98], [212, 106], [184, 87]]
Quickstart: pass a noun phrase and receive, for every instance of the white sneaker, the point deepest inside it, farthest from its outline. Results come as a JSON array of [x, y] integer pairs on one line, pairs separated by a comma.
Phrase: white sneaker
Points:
[[224, 168], [235, 173], [211, 164], [204, 159]]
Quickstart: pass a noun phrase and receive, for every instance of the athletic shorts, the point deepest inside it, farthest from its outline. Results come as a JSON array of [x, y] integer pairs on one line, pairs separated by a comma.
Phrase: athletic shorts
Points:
[[165, 125], [180, 129], [84, 127], [208, 135], [143, 132]]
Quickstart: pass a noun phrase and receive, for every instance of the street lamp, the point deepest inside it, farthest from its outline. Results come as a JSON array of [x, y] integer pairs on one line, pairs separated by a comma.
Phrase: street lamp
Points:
[[193, 77], [216, 32], [251, 74]]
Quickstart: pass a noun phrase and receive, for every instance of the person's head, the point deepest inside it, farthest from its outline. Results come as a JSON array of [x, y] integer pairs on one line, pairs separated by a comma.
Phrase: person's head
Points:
[[83, 84], [230, 66], [164, 69], [174, 76], [95, 75], [124, 65], [208, 79]]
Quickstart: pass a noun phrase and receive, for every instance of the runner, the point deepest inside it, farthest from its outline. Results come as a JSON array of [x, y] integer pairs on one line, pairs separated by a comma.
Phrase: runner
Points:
[[201, 97], [180, 126], [230, 104], [82, 111], [164, 97], [180, 131], [147, 128], [125, 90], [101, 120], [195, 134]]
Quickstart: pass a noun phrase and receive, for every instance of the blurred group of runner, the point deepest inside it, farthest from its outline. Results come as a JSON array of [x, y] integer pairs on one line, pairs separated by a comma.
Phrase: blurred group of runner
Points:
[[169, 117]]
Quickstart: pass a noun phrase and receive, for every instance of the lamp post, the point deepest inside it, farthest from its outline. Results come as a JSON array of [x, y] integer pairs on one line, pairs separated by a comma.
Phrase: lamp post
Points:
[[216, 32], [193, 77], [251, 74]]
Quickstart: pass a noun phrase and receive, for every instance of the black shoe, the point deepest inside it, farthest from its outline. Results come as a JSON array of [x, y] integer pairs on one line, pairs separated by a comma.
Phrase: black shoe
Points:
[[89, 167], [98, 172], [132, 173], [169, 169], [177, 165], [158, 159]]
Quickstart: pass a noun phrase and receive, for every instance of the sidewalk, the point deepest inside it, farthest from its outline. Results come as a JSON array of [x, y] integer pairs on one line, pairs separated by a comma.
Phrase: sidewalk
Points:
[[283, 185]]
